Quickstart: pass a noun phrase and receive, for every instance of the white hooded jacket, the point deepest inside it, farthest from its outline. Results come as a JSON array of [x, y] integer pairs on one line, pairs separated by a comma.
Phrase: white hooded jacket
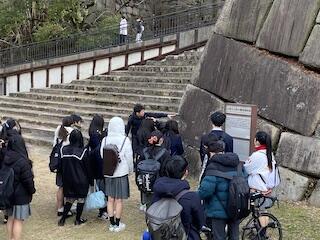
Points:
[[116, 136], [257, 168]]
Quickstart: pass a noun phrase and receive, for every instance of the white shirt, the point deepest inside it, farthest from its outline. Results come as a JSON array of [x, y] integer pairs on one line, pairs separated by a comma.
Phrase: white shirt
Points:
[[123, 27]]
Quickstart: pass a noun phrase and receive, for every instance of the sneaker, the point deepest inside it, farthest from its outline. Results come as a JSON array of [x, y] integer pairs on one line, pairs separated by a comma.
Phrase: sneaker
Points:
[[112, 227], [80, 222], [143, 207], [120, 228], [5, 220], [103, 216], [61, 222]]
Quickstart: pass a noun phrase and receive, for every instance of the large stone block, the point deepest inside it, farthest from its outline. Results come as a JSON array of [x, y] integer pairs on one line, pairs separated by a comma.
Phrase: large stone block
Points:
[[299, 153], [284, 93], [311, 53], [271, 129], [195, 109], [288, 26], [193, 157], [242, 19], [293, 186], [315, 196]]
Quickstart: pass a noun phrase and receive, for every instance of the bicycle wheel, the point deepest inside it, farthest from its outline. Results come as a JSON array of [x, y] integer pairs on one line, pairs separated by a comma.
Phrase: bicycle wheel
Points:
[[254, 231]]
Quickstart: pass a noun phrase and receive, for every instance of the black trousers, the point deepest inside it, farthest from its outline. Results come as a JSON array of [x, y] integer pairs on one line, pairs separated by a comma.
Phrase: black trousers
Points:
[[218, 229], [123, 38]]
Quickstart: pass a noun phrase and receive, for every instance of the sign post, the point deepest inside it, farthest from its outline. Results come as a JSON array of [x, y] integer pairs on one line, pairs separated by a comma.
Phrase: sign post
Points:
[[241, 123]]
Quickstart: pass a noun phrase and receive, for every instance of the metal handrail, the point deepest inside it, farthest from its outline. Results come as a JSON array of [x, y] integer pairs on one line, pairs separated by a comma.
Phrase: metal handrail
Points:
[[155, 27]]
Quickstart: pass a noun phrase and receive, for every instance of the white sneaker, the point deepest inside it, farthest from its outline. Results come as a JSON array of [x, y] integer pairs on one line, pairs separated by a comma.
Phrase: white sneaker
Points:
[[143, 207], [112, 227], [104, 216], [120, 228]]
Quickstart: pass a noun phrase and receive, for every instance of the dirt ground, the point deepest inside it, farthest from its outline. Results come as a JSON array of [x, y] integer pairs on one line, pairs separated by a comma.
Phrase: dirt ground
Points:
[[299, 221]]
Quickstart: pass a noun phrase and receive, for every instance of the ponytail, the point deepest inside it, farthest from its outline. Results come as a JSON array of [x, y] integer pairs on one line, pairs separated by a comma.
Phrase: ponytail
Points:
[[269, 151], [63, 133], [265, 139]]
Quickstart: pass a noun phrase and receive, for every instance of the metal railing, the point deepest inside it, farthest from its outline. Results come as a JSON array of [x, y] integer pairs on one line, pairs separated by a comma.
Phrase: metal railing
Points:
[[155, 27]]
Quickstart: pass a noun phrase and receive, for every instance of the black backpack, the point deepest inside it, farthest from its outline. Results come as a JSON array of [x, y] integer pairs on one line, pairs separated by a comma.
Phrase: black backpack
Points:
[[6, 187], [148, 171], [238, 206], [55, 156], [164, 219]]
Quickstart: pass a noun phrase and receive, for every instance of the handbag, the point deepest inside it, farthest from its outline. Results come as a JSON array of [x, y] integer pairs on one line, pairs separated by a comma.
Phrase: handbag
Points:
[[95, 199]]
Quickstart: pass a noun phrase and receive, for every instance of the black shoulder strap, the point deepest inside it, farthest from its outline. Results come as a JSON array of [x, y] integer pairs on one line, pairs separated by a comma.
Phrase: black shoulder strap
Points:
[[160, 154], [216, 173], [123, 143], [239, 169], [180, 194], [145, 153]]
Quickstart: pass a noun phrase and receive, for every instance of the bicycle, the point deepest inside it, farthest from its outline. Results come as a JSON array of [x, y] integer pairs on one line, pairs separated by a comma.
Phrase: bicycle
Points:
[[269, 229]]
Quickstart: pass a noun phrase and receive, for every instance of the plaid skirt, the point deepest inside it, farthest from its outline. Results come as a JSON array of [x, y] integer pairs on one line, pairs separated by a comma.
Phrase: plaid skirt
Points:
[[117, 187]]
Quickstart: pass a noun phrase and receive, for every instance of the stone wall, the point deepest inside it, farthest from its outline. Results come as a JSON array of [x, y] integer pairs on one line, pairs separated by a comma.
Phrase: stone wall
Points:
[[265, 52]]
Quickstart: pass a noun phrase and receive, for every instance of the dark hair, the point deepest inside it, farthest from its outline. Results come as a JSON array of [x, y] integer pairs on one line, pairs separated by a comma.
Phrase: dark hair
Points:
[[63, 133], [264, 139], [138, 107], [155, 137], [218, 118], [76, 118], [176, 167], [147, 124], [96, 124], [76, 139], [213, 144], [172, 126], [7, 126]]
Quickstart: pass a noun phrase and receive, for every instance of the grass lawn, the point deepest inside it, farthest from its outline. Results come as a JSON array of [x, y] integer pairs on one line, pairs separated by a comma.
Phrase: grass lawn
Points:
[[299, 221]]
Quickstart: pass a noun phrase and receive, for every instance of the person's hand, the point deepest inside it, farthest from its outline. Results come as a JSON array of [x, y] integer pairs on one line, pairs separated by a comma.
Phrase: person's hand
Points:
[[1, 143], [170, 116]]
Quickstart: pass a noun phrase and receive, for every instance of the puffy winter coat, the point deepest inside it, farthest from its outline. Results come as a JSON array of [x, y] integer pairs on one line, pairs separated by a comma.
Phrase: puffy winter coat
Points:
[[192, 215], [215, 190]]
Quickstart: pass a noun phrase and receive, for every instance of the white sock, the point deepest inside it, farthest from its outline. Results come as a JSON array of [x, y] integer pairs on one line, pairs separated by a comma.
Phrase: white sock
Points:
[[60, 209]]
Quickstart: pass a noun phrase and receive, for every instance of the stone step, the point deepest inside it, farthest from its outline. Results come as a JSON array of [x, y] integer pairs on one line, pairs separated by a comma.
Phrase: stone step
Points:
[[26, 120], [133, 77], [65, 108], [112, 89], [150, 68], [37, 140], [152, 74], [183, 57], [50, 115], [44, 99], [173, 62], [78, 95], [101, 82]]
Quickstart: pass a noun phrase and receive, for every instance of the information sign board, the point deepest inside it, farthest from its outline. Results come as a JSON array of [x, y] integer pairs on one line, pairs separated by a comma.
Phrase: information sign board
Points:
[[241, 123]]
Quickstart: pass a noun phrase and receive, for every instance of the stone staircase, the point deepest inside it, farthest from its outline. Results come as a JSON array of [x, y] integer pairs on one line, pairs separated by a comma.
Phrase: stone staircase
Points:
[[158, 85]]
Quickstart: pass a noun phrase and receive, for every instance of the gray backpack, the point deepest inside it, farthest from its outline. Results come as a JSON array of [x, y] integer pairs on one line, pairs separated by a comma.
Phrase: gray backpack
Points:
[[164, 221]]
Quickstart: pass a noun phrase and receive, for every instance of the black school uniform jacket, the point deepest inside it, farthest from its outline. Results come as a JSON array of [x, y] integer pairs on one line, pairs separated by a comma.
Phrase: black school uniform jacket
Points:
[[76, 172]]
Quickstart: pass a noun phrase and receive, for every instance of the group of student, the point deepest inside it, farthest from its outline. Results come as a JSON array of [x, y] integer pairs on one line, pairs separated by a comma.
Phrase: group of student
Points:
[[207, 208], [81, 166], [16, 169]]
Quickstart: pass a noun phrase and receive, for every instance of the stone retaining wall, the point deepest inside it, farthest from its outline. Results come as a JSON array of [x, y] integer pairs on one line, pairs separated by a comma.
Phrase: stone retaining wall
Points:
[[265, 52]]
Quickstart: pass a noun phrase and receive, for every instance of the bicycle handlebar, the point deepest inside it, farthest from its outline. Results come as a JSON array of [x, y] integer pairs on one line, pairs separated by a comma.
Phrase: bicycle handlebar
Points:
[[255, 196]]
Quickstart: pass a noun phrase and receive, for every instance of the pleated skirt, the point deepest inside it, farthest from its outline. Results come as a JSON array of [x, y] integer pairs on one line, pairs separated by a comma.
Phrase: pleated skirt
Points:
[[117, 187]]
